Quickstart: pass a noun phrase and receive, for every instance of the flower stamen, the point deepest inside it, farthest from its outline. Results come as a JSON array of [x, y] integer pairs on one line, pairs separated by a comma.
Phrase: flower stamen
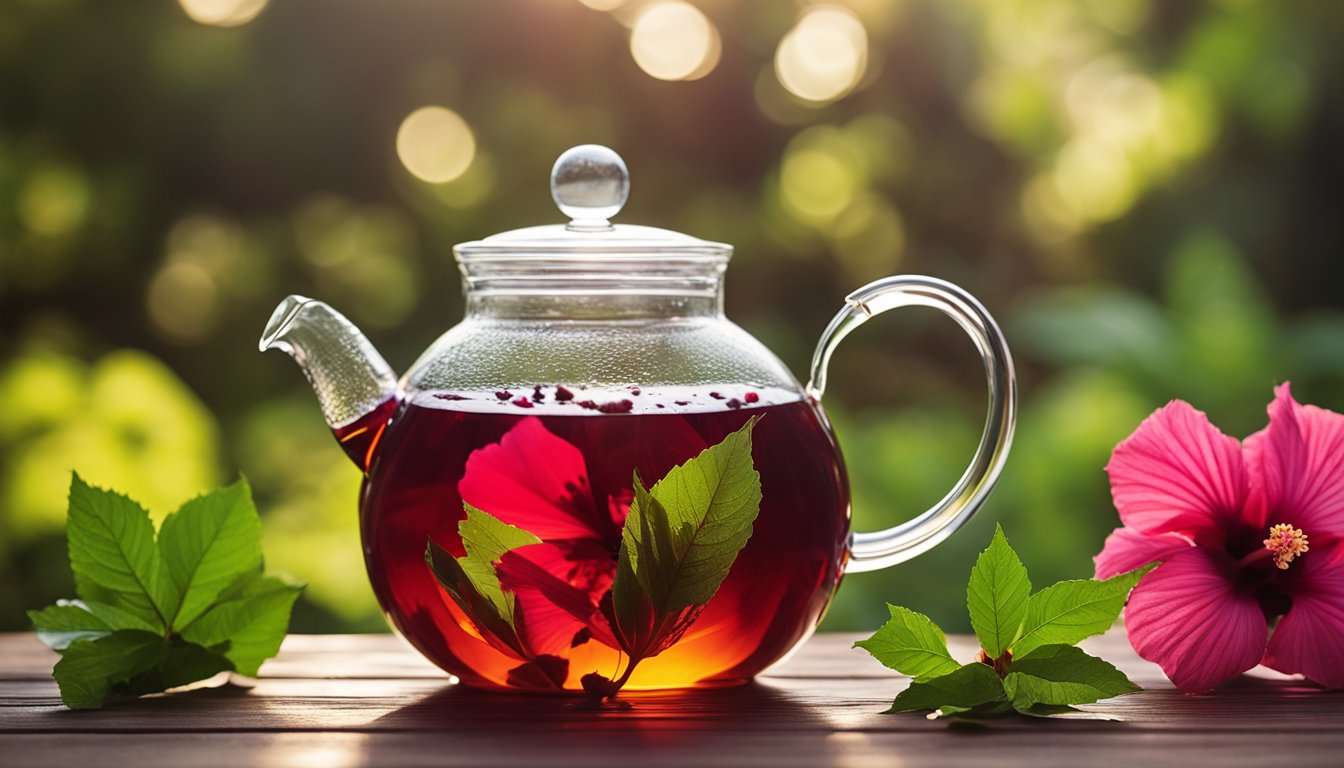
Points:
[[1285, 542]]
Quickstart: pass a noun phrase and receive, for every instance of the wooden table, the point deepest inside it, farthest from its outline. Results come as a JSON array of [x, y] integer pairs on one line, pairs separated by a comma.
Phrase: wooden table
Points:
[[338, 701]]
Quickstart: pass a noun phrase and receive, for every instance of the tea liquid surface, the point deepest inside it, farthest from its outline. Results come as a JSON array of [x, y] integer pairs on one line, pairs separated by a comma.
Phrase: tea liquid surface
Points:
[[559, 464]]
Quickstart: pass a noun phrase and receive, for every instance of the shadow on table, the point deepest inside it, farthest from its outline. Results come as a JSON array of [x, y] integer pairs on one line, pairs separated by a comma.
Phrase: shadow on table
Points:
[[647, 729], [754, 705]]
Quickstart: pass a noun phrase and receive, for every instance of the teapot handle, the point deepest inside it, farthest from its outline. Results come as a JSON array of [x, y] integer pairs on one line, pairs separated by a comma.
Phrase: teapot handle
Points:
[[880, 549]]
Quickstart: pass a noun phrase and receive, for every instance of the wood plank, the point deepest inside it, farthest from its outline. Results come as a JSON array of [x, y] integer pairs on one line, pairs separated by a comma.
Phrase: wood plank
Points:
[[671, 747], [769, 705], [369, 700]]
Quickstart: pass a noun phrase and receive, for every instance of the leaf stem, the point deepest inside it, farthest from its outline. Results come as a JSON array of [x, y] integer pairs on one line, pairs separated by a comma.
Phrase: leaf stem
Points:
[[620, 682]]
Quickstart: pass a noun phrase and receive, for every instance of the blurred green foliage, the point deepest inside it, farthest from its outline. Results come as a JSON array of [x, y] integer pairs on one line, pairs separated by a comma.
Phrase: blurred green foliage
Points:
[[1145, 193]]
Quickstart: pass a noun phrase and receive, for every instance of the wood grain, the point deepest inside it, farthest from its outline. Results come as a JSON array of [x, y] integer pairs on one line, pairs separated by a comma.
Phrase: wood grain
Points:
[[367, 700]]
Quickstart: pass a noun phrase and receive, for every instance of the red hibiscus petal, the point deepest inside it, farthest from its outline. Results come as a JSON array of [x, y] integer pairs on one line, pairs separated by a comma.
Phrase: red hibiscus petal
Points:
[[1126, 549], [1177, 472], [1188, 617], [551, 610], [1297, 465], [533, 480], [1309, 637], [652, 446]]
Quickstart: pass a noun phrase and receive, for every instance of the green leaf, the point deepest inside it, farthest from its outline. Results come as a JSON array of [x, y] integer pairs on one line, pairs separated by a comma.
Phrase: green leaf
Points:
[[709, 504], [114, 557], [1070, 611], [1046, 710], [978, 712], [251, 616], [89, 669], [116, 618], [179, 663], [65, 622], [486, 539], [911, 644], [207, 544], [1062, 675], [480, 610], [997, 595], [631, 610], [161, 614], [651, 531], [472, 582], [967, 687], [679, 541]]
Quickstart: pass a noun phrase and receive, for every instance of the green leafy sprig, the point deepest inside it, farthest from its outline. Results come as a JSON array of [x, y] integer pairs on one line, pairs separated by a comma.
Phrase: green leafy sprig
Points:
[[158, 612], [1027, 662], [678, 543]]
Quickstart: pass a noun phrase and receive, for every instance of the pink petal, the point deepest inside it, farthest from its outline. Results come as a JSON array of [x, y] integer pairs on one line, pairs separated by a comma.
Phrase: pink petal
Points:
[[533, 480], [651, 446], [1126, 549], [1309, 637], [1177, 472], [1297, 465], [551, 611], [1188, 617]]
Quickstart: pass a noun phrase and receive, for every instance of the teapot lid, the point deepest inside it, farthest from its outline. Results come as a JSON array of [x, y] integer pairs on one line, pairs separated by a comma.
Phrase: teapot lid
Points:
[[589, 184]]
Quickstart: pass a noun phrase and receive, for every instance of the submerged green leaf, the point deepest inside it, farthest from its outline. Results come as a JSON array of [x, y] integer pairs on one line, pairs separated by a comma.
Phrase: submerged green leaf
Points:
[[702, 518], [679, 541], [486, 539], [471, 580]]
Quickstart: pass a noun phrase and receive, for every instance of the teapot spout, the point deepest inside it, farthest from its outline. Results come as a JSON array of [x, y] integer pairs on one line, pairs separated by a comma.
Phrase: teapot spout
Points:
[[352, 381]]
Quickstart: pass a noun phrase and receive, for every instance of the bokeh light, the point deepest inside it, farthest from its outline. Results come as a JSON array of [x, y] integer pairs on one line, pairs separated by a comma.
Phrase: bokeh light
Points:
[[360, 257], [1049, 155], [125, 422], [223, 13], [207, 261], [603, 5], [435, 144], [54, 201], [820, 175], [824, 56], [183, 302], [869, 238], [673, 40]]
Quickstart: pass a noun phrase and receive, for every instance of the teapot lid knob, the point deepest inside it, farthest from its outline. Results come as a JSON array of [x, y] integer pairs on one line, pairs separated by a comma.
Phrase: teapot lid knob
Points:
[[589, 184]]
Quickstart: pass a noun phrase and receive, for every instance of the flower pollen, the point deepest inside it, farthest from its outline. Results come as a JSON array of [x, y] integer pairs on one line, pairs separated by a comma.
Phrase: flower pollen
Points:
[[1286, 543]]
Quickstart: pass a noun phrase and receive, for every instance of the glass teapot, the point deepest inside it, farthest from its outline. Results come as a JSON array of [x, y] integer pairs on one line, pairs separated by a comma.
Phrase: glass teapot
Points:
[[501, 471]]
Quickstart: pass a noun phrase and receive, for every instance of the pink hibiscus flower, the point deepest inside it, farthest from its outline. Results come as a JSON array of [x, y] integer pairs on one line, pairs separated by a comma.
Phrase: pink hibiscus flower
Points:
[[1249, 535]]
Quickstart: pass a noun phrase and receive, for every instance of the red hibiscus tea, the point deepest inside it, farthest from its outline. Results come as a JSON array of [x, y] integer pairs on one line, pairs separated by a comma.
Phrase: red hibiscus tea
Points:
[[559, 464]]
